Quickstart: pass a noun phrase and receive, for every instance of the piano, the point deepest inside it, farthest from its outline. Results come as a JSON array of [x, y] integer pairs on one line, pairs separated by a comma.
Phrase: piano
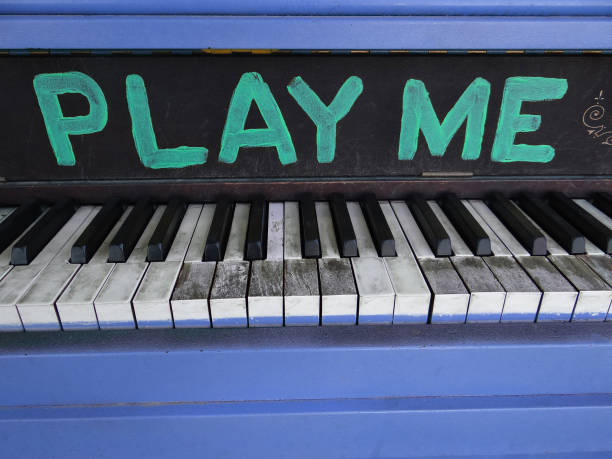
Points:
[[305, 229]]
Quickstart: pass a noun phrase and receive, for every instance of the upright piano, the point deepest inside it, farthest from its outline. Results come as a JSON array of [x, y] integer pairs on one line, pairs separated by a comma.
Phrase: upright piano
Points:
[[305, 229]]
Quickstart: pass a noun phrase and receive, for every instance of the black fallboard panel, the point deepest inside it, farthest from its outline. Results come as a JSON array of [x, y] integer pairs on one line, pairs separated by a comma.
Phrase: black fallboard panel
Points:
[[386, 102]]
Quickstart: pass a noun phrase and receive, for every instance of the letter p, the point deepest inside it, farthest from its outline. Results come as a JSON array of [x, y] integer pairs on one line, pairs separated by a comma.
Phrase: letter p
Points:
[[48, 86]]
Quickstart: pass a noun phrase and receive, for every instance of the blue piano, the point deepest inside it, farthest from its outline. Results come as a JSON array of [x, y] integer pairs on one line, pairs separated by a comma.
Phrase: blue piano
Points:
[[389, 236]]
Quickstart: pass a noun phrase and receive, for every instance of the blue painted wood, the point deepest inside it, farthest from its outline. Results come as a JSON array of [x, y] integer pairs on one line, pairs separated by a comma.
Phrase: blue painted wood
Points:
[[211, 365], [312, 7], [304, 32], [571, 426]]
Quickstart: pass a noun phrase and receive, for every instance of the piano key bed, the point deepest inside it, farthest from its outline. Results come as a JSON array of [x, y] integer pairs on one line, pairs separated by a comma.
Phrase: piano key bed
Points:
[[307, 262]]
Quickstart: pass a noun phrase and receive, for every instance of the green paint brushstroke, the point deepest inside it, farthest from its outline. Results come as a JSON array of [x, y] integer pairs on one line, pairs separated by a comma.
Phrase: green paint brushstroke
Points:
[[48, 86], [252, 88], [419, 114], [144, 137], [516, 91], [326, 117]]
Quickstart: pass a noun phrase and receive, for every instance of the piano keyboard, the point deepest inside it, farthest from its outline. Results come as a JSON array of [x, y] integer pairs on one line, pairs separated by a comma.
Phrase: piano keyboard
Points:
[[306, 262]]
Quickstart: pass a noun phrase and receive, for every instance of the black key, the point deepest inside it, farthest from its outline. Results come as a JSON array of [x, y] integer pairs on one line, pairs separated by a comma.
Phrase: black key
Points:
[[126, 238], [163, 236], [523, 230], [345, 235], [472, 233], [89, 241], [17, 222], [311, 245], [377, 224], [559, 229], [214, 250], [257, 233], [39, 235], [603, 201], [432, 229], [592, 228]]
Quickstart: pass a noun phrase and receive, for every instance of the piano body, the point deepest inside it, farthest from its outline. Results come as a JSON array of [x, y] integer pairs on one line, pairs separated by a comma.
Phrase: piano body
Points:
[[305, 229]]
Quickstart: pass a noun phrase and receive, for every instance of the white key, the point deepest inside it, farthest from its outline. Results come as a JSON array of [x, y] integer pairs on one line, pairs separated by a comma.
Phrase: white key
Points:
[[498, 249], [460, 248], [75, 306], [190, 297], [338, 292], [450, 298], [365, 245], [327, 235], [189, 300], [558, 295], [411, 230], [265, 298], [237, 237], [504, 234], [228, 306], [301, 292], [590, 248], [486, 294], [594, 295], [5, 212], [293, 246], [551, 245], [195, 252], [376, 294], [152, 300], [412, 296], [36, 305], [276, 216], [114, 302]]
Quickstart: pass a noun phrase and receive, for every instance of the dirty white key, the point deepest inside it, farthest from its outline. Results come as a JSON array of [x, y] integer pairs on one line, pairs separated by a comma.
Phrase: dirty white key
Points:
[[237, 237], [265, 299], [301, 293], [412, 296], [411, 230], [450, 297], [504, 234], [114, 302], [338, 292], [487, 296], [594, 295], [376, 294], [152, 300], [189, 300], [75, 306], [195, 252], [460, 248], [228, 298], [276, 216], [498, 249], [558, 295], [590, 248], [327, 235], [36, 305], [228, 306], [293, 247]]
